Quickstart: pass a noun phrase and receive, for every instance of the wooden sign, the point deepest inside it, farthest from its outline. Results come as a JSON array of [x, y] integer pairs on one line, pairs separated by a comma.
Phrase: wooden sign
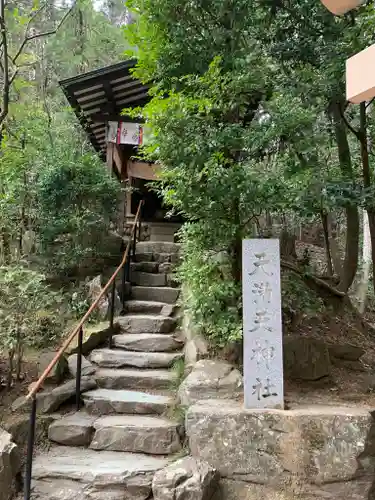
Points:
[[360, 76], [130, 133], [125, 133]]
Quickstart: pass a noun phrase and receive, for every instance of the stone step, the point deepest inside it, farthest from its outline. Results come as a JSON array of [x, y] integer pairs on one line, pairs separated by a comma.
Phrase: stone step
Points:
[[144, 307], [158, 247], [136, 434], [134, 379], [145, 323], [73, 430], [64, 473], [146, 267], [158, 294], [161, 258], [106, 401], [147, 342], [118, 358], [148, 279], [152, 267]]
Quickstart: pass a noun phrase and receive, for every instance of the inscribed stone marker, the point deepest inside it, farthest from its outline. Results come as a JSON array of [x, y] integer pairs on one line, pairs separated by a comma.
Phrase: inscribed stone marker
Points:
[[262, 330]]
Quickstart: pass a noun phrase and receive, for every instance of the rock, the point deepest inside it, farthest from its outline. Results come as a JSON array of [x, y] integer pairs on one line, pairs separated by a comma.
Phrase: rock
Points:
[[196, 346], [168, 310], [136, 434], [118, 358], [320, 445], [348, 352], [132, 378], [185, 479], [94, 290], [165, 294], [142, 323], [157, 247], [355, 365], [143, 307], [86, 369], [172, 281], [10, 465], [93, 337], [106, 401], [18, 427], [148, 279], [147, 342], [210, 379], [22, 404], [55, 398], [165, 268], [58, 372], [72, 430], [146, 267], [241, 490], [305, 358], [65, 473]]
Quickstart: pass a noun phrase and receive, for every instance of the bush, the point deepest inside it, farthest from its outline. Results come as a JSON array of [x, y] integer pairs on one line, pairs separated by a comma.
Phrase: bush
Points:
[[77, 202], [211, 296], [24, 299]]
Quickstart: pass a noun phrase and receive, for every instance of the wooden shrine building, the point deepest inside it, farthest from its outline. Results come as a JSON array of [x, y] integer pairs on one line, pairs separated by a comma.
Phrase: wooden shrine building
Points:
[[98, 98]]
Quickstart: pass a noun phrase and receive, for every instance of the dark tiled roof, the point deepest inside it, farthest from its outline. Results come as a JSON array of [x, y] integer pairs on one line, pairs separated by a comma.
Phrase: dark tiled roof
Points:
[[101, 94]]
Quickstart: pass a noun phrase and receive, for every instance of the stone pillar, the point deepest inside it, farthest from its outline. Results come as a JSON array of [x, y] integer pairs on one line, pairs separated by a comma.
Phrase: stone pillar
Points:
[[262, 327]]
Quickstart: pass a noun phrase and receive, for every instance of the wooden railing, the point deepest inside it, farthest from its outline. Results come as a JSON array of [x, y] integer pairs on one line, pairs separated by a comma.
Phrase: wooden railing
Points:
[[124, 266]]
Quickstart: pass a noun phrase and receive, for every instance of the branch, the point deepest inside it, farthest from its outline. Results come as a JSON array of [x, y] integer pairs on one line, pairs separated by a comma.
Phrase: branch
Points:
[[317, 281], [28, 38], [6, 82], [352, 129]]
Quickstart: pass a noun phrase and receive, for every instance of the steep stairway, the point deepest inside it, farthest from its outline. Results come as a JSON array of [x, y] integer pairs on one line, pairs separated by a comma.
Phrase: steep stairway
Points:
[[111, 448]]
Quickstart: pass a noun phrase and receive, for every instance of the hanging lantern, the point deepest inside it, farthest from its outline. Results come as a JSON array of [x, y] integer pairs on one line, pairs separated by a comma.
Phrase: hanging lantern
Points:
[[340, 7], [360, 76]]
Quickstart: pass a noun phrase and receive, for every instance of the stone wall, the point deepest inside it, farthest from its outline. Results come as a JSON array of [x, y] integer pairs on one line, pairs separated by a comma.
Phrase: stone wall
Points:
[[315, 453], [145, 231]]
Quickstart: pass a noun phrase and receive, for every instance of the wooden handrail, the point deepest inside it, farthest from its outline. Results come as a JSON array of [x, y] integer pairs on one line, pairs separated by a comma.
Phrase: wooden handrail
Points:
[[67, 342]]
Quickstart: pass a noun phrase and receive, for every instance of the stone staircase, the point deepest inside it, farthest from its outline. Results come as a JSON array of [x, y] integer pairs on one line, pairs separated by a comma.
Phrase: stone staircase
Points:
[[111, 448]]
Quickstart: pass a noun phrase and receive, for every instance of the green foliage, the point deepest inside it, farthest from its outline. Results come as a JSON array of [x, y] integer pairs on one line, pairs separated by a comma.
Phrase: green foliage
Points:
[[211, 297], [298, 300], [24, 300], [77, 201], [79, 303]]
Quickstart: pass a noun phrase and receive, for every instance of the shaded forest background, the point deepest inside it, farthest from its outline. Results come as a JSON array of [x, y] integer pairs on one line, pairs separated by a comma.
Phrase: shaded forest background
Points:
[[251, 126]]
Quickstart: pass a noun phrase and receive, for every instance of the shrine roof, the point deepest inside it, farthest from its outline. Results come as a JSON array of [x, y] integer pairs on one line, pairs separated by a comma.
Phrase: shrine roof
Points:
[[101, 95]]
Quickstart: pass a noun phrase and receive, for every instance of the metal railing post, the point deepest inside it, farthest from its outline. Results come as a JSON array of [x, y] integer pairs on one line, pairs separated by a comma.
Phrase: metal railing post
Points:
[[78, 330], [125, 278], [112, 312], [30, 450], [140, 223], [79, 369], [134, 241]]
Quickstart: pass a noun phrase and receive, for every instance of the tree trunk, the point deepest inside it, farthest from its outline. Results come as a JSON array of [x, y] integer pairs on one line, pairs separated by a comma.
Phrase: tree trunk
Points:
[[10, 368], [19, 354], [350, 263], [6, 246], [366, 264], [288, 246], [237, 244], [327, 247], [335, 251], [367, 181]]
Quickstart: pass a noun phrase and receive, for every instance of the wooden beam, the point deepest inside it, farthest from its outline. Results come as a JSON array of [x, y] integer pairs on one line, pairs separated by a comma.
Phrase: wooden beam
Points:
[[118, 159], [129, 199], [143, 170], [109, 156]]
